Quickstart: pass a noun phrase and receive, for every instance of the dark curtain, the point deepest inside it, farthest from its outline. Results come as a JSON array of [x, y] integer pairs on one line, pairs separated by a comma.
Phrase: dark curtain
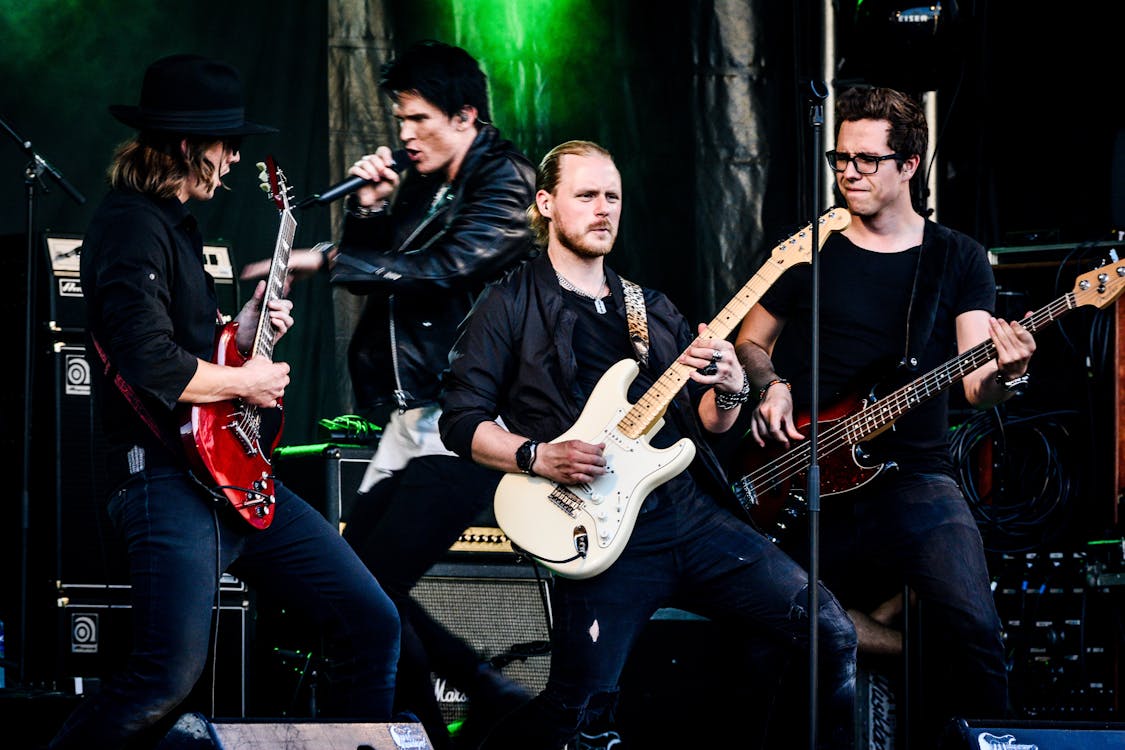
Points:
[[704, 105], [62, 68]]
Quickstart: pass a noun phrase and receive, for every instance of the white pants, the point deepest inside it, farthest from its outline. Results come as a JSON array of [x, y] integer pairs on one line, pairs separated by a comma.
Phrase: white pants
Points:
[[406, 435]]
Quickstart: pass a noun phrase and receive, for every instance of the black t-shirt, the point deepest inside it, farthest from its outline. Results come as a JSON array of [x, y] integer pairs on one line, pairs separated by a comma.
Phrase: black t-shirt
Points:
[[865, 300], [601, 340]]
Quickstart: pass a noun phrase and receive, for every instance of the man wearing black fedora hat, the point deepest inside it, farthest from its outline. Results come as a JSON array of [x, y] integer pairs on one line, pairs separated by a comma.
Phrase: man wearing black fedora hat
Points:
[[152, 318]]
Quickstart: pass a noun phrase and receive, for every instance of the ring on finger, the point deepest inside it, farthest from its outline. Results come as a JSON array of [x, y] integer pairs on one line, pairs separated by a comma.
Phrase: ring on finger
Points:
[[717, 355], [711, 369]]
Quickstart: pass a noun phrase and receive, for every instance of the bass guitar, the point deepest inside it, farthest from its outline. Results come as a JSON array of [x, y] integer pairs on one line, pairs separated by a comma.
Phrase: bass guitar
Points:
[[773, 479], [230, 443], [580, 530]]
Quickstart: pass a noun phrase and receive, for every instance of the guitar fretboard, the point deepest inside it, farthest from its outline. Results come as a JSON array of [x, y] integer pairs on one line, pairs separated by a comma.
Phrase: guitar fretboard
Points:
[[651, 406], [275, 284]]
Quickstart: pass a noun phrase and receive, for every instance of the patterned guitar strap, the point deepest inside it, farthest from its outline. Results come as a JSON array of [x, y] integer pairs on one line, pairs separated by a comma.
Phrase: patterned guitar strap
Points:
[[638, 319], [110, 371]]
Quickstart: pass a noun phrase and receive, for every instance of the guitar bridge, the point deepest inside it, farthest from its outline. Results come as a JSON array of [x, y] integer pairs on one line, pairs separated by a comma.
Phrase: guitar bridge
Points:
[[744, 491], [246, 430], [565, 500]]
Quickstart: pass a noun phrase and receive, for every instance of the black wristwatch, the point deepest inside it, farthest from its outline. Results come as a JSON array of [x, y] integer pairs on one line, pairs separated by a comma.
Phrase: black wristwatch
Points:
[[525, 457], [1015, 386]]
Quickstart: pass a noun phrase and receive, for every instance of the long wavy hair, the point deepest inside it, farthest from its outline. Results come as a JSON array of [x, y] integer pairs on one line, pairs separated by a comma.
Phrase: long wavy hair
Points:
[[155, 164]]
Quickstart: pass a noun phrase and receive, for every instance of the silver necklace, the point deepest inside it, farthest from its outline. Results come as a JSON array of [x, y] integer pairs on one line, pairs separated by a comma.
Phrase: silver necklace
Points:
[[599, 305], [438, 197]]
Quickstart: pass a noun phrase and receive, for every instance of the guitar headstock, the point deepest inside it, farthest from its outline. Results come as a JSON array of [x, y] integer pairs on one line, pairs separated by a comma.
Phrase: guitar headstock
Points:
[[273, 183], [798, 247], [1102, 286]]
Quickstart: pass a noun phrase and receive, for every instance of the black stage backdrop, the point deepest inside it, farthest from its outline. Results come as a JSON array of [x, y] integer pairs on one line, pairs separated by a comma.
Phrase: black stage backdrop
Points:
[[1026, 96]]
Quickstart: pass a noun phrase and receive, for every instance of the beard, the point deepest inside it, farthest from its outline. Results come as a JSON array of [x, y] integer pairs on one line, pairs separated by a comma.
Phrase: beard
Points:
[[583, 248]]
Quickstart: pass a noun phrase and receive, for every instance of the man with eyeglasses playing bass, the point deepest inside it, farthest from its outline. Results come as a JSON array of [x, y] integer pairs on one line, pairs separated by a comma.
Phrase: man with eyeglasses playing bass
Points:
[[899, 295]]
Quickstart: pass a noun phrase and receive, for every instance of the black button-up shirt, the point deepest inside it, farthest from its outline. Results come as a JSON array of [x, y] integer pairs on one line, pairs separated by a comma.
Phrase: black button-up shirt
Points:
[[151, 306]]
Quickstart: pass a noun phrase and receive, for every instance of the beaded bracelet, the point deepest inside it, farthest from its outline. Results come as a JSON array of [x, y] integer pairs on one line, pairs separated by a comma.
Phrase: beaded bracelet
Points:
[[771, 384], [727, 401], [365, 212]]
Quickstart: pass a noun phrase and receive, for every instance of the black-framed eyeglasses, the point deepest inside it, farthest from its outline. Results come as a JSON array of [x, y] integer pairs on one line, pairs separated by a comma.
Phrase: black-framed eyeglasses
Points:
[[863, 163], [232, 143]]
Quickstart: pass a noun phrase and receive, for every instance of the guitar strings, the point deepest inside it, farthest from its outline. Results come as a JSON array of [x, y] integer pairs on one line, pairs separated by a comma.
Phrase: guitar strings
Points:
[[796, 460]]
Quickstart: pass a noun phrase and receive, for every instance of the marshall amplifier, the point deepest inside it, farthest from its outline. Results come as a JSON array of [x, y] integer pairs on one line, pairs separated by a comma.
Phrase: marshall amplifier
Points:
[[502, 611], [67, 306]]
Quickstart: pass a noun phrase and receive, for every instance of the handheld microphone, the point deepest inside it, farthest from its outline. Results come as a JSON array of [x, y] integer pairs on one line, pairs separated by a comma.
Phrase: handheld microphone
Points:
[[350, 185], [340, 189]]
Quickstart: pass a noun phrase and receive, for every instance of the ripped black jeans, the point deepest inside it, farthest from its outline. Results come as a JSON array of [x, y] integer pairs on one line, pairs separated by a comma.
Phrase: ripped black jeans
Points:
[[694, 555]]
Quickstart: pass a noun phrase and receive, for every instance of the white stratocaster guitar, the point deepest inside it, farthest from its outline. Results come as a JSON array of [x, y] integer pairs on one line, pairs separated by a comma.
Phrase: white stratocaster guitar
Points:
[[580, 530]]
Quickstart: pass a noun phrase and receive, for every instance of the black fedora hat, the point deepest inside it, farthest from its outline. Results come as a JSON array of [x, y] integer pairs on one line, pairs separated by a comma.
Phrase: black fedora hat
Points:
[[190, 95]]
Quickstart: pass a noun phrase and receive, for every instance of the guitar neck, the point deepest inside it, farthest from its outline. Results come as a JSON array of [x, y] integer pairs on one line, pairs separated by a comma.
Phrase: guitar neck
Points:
[[889, 408], [275, 284], [651, 407], [796, 249]]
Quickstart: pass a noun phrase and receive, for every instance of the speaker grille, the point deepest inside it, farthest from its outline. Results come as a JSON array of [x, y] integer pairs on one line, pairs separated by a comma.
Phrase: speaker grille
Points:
[[501, 611]]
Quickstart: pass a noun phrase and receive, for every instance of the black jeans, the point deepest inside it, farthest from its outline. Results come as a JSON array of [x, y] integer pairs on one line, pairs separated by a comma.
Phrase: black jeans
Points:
[[178, 543], [694, 555], [917, 529]]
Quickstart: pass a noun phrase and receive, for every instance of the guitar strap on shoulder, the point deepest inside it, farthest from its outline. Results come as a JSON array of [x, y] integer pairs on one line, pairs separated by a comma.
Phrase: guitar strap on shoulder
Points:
[[637, 317], [925, 295]]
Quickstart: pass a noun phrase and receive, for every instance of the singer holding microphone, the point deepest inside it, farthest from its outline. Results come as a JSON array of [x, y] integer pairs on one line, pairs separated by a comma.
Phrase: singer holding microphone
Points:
[[426, 227]]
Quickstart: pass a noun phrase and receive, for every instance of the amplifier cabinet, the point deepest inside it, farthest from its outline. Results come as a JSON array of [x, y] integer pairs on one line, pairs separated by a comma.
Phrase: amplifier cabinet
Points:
[[502, 611], [95, 637], [325, 475], [67, 303], [88, 549]]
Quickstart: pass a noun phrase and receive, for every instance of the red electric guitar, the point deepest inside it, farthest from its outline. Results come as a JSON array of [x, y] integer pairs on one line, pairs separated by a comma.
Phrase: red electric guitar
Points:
[[230, 443], [773, 478]]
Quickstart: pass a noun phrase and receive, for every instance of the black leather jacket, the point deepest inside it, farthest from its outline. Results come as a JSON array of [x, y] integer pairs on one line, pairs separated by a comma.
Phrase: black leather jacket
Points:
[[421, 270]]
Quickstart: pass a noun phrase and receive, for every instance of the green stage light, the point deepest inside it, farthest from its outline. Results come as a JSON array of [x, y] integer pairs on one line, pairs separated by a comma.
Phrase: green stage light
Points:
[[541, 58]]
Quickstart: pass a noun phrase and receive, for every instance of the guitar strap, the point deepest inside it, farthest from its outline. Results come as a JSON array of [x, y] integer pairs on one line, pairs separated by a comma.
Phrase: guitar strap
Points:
[[638, 319], [925, 295], [110, 371]]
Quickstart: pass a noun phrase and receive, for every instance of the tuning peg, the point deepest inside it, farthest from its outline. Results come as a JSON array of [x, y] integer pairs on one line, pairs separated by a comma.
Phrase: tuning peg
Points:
[[261, 165], [265, 188]]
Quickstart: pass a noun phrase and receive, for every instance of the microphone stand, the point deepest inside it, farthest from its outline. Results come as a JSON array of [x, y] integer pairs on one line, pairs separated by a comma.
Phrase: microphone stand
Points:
[[33, 176], [817, 93]]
